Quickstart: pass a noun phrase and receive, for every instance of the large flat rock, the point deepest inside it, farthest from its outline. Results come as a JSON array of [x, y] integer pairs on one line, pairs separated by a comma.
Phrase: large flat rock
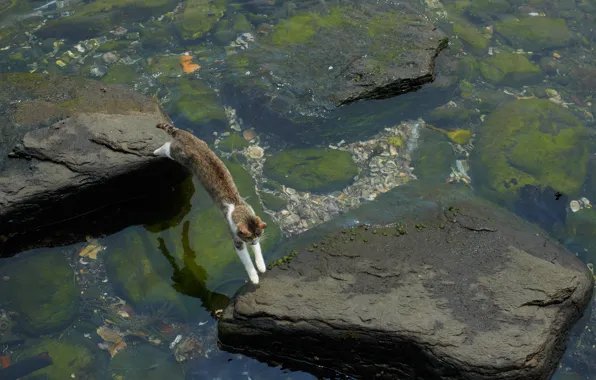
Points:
[[459, 289], [326, 55], [70, 146]]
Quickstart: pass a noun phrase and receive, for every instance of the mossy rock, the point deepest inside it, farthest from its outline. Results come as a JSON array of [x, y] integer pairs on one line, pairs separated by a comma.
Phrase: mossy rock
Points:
[[319, 170], [98, 17], [42, 290], [451, 115], [72, 357], [535, 33], [273, 202], [434, 157], [531, 142], [144, 362], [120, 74], [471, 36], [113, 45], [233, 142], [168, 65], [510, 68], [214, 258], [487, 8], [131, 265], [197, 102], [199, 17]]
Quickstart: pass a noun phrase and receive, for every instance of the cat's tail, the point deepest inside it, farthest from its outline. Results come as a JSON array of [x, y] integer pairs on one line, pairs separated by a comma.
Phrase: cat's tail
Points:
[[169, 128]]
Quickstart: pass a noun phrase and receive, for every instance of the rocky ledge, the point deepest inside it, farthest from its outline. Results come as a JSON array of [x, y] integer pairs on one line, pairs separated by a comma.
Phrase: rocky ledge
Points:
[[439, 285], [71, 146]]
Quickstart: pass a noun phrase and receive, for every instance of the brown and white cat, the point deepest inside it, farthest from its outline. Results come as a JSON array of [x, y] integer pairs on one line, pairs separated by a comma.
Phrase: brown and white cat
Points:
[[245, 226]]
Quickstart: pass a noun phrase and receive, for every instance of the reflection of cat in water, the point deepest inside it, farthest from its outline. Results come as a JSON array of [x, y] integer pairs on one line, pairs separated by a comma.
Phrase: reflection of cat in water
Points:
[[245, 226]]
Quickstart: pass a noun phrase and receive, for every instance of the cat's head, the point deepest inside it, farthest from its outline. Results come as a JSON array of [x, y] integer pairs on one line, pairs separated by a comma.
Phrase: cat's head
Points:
[[251, 229]]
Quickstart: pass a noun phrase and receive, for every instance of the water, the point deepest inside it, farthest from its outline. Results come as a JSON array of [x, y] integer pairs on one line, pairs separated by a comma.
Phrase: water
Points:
[[174, 266]]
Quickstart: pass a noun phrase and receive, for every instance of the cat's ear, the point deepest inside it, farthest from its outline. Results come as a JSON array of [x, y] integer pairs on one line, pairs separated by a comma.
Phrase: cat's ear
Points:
[[262, 225], [243, 228]]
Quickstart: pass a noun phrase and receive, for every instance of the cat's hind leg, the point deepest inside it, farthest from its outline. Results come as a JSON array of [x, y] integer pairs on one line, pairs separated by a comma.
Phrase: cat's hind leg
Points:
[[244, 256], [163, 151], [256, 248]]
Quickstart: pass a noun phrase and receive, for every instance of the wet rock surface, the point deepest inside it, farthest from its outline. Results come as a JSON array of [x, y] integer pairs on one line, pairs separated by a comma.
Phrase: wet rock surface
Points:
[[451, 287], [70, 146], [326, 56]]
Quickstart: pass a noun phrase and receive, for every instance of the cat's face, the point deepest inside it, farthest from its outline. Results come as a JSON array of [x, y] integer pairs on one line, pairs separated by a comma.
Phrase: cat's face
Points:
[[251, 231]]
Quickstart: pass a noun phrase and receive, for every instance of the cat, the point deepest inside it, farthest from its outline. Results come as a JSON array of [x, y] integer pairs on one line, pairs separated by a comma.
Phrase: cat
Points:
[[246, 228]]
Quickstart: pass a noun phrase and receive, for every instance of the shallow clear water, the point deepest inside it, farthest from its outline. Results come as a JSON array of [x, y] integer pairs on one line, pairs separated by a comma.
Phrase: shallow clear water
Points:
[[148, 283]]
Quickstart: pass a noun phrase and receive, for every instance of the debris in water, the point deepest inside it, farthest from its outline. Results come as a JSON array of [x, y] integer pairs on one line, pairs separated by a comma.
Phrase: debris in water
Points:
[[187, 66], [575, 206]]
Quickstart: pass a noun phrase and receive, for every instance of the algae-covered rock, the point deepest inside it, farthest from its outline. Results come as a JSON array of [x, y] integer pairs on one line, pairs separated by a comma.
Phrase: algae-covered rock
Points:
[[199, 16], [167, 66], [273, 202], [531, 142], [72, 357], [42, 290], [120, 74], [318, 170], [433, 158], [113, 45], [197, 102], [144, 362], [534, 33], [327, 56], [233, 142], [91, 19], [472, 36], [510, 68], [131, 267]]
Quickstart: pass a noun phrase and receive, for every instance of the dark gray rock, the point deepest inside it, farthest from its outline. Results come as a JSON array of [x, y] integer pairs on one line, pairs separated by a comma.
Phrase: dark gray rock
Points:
[[70, 146], [336, 53], [460, 289]]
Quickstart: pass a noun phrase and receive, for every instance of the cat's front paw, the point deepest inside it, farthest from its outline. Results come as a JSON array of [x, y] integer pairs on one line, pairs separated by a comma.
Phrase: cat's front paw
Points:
[[254, 277], [261, 266]]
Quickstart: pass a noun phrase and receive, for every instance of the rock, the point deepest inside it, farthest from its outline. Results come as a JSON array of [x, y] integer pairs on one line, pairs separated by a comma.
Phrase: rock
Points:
[[459, 288], [273, 202], [433, 159], [531, 142], [92, 19], [319, 170], [534, 33], [110, 58], [72, 357], [193, 92], [131, 364], [77, 145], [233, 142], [199, 16], [327, 56], [511, 69], [42, 290], [471, 36]]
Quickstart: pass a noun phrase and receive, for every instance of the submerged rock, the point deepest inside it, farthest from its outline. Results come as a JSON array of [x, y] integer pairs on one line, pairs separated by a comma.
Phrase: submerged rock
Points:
[[531, 142], [327, 56], [511, 69], [75, 145], [454, 287], [534, 33], [312, 169], [132, 364], [42, 290]]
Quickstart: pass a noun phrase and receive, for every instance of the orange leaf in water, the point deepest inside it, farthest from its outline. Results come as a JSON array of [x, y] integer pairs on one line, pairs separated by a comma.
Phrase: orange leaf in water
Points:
[[187, 65], [116, 347]]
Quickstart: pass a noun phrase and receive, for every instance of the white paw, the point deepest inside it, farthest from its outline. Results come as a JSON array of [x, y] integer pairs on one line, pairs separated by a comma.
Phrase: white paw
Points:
[[254, 277], [261, 266]]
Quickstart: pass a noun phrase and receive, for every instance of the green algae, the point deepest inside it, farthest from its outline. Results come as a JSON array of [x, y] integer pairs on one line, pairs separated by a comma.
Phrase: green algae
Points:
[[199, 17], [472, 36], [233, 142], [302, 27], [535, 33], [433, 159], [198, 102], [113, 45], [120, 74], [71, 357], [312, 169], [42, 290], [131, 266], [395, 141], [510, 68], [144, 362], [169, 66], [531, 142], [273, 202]]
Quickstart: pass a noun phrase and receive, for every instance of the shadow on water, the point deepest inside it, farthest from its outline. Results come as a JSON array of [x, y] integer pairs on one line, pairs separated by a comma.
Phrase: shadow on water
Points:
[[191, 278], [105, 210]]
